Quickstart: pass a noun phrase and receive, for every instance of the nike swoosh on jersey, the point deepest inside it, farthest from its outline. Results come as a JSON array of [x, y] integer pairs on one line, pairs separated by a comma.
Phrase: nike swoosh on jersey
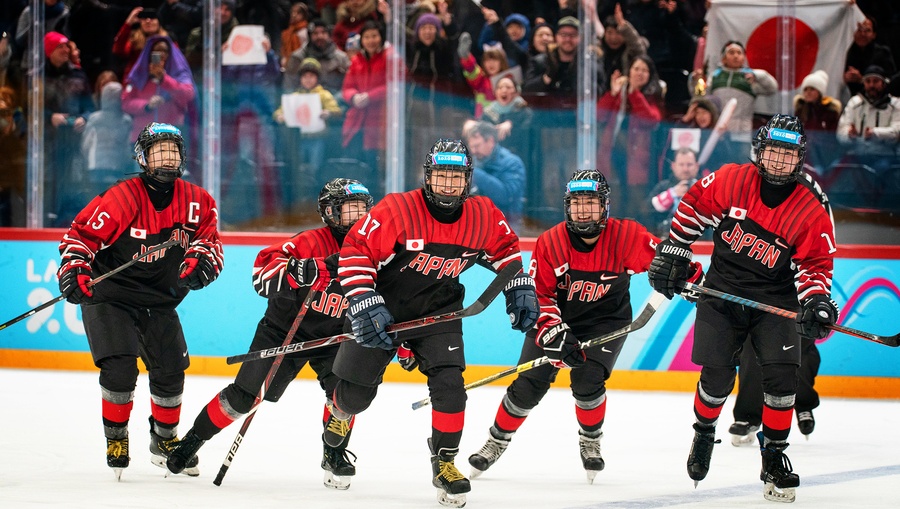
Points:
[[786, 348], [451, 348], [607, 278], [468, 254], [604, 349]]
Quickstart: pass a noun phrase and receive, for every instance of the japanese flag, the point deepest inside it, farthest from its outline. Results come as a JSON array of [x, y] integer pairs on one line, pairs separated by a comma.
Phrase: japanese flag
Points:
[[814, 33], [415, 244]]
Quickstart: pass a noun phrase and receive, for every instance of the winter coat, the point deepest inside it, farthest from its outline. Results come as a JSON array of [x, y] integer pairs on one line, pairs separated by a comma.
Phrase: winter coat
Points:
[[334, 62], [368, 73], [643, 116], [105, 142]]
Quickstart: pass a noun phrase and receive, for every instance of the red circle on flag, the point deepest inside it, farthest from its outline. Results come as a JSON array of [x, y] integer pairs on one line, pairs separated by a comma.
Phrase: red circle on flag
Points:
[[763, 51]]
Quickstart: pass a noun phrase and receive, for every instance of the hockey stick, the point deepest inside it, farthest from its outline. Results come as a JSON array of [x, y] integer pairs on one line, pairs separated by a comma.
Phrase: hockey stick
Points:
[[868, 336], [91, 283], [226, 464], [656, 300], [489, 294]]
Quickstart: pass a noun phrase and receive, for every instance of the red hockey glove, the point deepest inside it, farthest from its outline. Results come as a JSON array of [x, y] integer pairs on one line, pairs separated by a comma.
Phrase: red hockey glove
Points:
[[406, 358], [74, 279], [561, 346]]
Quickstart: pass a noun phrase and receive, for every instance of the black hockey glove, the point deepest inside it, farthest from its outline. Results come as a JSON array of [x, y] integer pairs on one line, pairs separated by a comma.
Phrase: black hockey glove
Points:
[[521, 302], [199, 268], [406, 358], [304, 272], [669, 268], [816, 315], [697, 278], [369, 318], [561, 346], [74, 278]]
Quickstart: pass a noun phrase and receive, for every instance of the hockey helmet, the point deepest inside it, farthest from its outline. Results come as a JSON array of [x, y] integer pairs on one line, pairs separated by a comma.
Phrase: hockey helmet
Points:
[[587, 183], [448, 155], [154, 133], [334, 194], [784, 131]]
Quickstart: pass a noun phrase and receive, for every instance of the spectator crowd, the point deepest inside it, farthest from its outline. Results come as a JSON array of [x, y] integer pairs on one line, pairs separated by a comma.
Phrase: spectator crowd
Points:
[[500, 74]]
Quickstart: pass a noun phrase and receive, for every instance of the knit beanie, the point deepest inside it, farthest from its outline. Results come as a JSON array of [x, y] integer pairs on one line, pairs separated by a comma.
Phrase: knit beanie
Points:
[[817, 80], [428, 19], [52, 41]]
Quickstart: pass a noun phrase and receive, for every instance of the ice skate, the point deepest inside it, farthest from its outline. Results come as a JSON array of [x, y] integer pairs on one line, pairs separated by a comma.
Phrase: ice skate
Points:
[[590, 456], [806, 422], [777, 472], [743, 433], [183, 455], [701, 452], [337, 427], [337, 466], [117, 455], [161, 448], [488, 455], [451, 485]]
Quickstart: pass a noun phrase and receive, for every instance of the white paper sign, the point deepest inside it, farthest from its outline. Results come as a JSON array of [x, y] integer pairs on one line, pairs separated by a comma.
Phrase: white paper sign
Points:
[[245, 46], [686, 137], [303, 111]]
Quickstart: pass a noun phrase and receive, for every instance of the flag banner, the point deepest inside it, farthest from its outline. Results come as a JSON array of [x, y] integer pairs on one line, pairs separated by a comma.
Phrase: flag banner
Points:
[[813, 34]]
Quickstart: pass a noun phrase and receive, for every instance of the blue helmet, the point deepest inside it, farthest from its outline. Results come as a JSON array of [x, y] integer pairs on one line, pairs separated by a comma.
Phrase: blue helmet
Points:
[[780, 131], [333, 194], [154, 133], [448, 155]]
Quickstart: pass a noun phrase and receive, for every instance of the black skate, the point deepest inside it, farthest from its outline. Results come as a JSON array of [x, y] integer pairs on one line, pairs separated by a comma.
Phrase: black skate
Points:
[[777, 472], [806, 422], [183, 456], [488, 455], [452, 486], [590, 456], [117, 455], [743, 433], [336, 428], [337, 466], [701, 452]]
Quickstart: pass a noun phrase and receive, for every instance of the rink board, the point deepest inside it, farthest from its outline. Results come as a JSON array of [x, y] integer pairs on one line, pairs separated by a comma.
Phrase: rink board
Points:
[[220, 320]]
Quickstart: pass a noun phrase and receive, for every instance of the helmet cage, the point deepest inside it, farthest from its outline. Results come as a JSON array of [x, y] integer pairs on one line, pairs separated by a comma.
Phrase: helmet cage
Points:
[[151, 135], [448, 155], [332, 198], [590, 183], [781, 131]]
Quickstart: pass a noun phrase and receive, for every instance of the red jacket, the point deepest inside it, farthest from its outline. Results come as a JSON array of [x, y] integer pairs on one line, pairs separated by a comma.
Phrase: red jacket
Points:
[[643, 117], [369, 75]]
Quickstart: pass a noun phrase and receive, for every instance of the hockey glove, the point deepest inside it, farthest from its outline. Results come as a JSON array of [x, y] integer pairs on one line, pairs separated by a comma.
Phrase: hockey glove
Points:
[[697, 278], [369, 318], [407, 358], [817, 314], [74, 279], [669, 268], [561, 346], [306, 271], [521, 302], [199, 268]]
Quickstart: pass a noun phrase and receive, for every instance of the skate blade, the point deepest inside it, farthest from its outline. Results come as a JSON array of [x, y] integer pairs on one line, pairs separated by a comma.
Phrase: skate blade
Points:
[[118, 473], [160, 461], [696, 483], [451, 500], [743, 440], [591, 474], [774, 494], [336, 482], [475, 473]]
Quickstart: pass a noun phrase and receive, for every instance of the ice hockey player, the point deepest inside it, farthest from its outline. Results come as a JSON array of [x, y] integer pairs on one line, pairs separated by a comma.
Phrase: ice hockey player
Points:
[[403, 262], [285, 273], [582, 270], [774, 243], [132, 314]]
